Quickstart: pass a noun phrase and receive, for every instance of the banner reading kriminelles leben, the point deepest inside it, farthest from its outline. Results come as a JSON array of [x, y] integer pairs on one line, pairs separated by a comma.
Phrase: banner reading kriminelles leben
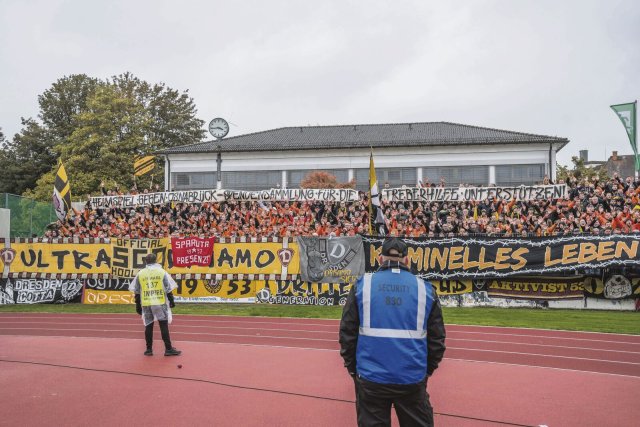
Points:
[[491, 257], [331, 259]]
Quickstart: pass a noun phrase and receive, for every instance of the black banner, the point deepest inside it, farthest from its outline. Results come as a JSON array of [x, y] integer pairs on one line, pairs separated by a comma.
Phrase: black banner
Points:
[[39, 291], [297, 292], [108, 284], [536, 288], [493, 257], [612, 286]]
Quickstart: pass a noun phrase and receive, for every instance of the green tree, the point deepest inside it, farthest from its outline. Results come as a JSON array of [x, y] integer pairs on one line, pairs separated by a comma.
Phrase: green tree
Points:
[[61, 105], [33, 151], [580, 171], [124, 118], [24, 159]]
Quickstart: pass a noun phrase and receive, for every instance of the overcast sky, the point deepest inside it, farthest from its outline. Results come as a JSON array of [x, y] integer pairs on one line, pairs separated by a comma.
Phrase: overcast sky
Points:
[[547, 67]]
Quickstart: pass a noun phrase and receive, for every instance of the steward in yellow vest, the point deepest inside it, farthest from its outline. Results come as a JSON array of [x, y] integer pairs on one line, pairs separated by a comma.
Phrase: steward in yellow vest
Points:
[[152, 287]]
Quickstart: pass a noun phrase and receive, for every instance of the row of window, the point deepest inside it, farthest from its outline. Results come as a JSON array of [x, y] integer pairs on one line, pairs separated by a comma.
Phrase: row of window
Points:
[[395, 177]]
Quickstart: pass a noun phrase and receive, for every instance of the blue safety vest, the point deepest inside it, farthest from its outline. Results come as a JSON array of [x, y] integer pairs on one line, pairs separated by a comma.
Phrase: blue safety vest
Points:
[[394, 306]]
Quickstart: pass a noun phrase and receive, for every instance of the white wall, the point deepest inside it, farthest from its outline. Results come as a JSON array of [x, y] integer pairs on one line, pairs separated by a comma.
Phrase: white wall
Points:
[[358, 158]]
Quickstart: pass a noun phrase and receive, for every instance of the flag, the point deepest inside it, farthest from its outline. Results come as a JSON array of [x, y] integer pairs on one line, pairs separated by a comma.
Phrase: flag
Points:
[[627, 115], [143, 165], [376, 225], [61, 193]]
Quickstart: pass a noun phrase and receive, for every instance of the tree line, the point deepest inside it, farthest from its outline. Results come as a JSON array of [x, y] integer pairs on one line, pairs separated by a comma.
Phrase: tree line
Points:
[[97, 128]]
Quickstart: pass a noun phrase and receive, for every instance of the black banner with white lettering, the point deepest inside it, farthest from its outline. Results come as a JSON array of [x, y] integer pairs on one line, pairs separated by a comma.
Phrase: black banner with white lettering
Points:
[[493, 257], [612, 286], [40, 291]]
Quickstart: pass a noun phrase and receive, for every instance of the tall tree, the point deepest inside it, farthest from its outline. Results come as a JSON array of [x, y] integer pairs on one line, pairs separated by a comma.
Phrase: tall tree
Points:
[[580, 171], [63, 102], [24, 159], [124, 118], [33, 151]]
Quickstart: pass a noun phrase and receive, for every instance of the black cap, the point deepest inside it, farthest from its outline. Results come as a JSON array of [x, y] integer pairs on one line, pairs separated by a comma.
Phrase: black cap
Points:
[[394, 247]]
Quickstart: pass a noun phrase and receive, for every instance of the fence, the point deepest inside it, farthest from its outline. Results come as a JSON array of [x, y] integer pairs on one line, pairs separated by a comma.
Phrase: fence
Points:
[[28, 217]]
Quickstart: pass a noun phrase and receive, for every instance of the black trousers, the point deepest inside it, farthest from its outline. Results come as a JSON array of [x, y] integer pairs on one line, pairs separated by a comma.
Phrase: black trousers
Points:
[[373, 404], [164, 331]]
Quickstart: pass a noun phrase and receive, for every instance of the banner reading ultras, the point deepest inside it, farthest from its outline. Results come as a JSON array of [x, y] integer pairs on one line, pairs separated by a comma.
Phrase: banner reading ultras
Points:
[[477, 257], [465, 194], [219, 196], [60, 258]]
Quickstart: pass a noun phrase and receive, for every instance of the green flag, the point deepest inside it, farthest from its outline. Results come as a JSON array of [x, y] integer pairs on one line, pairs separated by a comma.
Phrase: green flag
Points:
[[627, 115]]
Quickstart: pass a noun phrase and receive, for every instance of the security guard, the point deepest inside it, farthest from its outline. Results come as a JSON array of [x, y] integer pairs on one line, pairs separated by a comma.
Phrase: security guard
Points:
[[152, 287], [392, 339]]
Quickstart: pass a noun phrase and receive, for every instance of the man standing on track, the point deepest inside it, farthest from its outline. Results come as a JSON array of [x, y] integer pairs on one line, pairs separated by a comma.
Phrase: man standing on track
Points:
[[392, 340], [152, 287]]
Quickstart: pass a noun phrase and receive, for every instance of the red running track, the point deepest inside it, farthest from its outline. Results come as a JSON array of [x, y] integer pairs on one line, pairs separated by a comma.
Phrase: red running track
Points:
[[89, 369]]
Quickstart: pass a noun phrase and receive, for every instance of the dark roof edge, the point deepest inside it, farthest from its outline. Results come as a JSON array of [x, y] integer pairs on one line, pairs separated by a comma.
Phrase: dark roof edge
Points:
[[470, 141]]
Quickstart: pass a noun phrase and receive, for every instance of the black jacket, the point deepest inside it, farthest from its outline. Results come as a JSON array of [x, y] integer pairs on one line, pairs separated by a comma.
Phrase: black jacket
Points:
[[350, 326]]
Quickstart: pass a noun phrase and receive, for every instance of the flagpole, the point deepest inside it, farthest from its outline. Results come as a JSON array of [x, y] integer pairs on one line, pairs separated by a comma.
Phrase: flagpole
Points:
[[370, 195], [635, 137]]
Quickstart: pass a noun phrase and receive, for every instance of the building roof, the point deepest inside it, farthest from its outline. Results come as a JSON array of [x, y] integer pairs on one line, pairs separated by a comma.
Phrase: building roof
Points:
[[623, 165], [364, 136]]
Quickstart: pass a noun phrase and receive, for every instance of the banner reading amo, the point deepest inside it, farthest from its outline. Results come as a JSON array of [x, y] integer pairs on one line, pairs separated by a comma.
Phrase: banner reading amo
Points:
[[492, 257]]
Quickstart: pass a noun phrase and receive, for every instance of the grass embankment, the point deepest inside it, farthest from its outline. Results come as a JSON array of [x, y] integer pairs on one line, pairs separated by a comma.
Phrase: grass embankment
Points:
[[571, 320]]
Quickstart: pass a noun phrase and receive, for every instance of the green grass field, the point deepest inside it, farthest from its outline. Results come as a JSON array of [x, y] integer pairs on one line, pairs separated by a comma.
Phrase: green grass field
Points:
[[571, 320]]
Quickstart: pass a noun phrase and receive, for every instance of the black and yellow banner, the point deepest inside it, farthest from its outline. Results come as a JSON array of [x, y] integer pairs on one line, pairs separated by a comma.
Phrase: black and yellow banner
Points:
[[612, 286], [535, 288], [493, 257], [128, 255], [143, 165], [59, 258]]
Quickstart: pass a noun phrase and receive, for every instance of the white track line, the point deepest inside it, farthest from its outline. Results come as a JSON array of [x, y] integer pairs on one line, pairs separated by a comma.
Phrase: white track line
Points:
[[545, 337], [543, 367], [541, 329], [182, 323], [543, 345], [333, 341], [179, 319], [332, 332], [543, 355], [173, 325], [175, 332], [331, 350]]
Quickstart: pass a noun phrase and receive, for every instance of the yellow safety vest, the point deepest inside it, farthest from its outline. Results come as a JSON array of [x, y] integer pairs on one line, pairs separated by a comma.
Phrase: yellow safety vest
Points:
[[151, 287]]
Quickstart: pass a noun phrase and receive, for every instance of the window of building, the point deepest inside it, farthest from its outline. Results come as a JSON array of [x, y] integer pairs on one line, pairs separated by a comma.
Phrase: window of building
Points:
[[456, 175], [396, 177], [519, 174], [251, 180], [295, 177], [193, 180]]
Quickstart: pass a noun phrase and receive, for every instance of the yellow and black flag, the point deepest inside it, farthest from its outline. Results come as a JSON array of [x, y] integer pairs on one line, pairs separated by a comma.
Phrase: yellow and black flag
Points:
[[61, 193], [142, 165], [377, 223]]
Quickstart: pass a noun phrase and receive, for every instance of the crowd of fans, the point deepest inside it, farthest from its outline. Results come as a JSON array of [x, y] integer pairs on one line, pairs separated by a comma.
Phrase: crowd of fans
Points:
[[592, 206]]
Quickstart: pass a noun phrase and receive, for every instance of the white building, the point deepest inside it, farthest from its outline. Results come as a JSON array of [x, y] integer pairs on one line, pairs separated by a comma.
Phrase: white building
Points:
[[404, 154]]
